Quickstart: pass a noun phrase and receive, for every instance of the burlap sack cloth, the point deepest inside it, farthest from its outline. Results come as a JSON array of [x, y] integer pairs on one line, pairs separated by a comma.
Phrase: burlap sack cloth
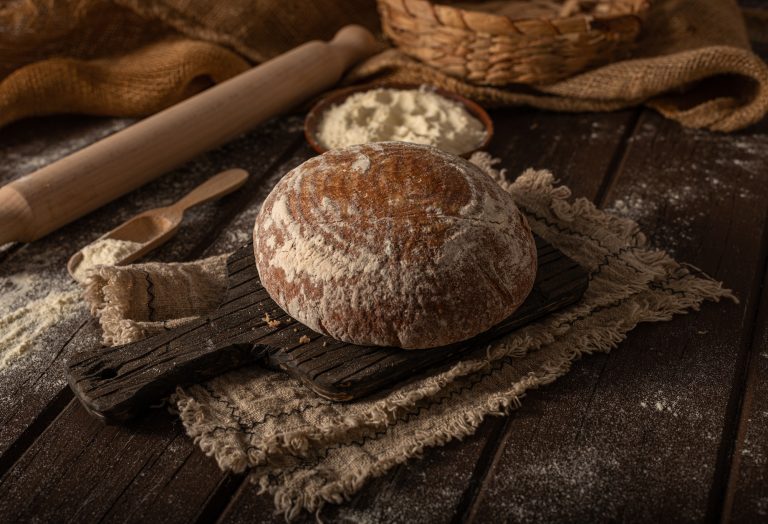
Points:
[[135, 57], [307, 451]]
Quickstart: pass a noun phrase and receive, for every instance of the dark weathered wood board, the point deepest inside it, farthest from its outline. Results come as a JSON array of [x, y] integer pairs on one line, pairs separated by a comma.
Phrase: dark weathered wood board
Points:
[[118, 382], [83, 472]]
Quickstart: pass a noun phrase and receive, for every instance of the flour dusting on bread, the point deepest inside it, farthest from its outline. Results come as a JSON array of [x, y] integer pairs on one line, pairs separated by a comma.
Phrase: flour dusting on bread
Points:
[[393, 244]]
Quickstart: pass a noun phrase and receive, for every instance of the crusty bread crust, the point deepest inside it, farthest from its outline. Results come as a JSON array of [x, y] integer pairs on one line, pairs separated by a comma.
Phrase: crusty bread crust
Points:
[[394, 244]]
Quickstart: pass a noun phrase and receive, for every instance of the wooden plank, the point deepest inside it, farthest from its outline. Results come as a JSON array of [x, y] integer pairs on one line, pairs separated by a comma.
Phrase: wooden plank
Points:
[[580, 150], [84, 472], [644, 432], [747, 491], [755, 4], [746, 497], [26, 387]]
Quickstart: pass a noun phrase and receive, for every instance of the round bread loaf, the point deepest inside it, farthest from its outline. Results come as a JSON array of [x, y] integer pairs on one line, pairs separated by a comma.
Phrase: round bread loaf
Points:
[[393, 244]]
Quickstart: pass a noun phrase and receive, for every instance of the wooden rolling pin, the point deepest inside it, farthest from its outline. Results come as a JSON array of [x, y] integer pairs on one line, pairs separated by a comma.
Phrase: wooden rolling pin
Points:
[[49, 198]]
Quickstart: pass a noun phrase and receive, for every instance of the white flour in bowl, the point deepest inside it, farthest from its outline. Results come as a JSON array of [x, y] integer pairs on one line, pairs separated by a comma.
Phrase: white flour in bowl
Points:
[[420, 116]]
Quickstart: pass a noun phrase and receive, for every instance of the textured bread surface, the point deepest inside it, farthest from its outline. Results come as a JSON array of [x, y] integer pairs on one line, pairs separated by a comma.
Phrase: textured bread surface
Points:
[[393, 244]]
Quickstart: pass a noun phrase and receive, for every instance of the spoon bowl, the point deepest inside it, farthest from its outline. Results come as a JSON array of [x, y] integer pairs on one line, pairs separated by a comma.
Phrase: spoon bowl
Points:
[[155, 227], [147, 226]]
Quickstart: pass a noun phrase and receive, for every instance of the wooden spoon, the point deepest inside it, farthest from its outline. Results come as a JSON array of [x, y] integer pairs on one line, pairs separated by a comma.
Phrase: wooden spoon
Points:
[[155, 227]]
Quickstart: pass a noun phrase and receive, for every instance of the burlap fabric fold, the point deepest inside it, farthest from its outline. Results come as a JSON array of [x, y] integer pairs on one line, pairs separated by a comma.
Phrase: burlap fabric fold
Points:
[[135, 57], [307, 451]]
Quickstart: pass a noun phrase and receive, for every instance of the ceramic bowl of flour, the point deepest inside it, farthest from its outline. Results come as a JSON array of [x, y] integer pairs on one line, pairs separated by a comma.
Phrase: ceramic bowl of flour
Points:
[[418, 114]]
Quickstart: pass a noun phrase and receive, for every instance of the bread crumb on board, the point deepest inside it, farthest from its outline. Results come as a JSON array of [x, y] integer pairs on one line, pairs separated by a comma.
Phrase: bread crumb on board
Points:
[[304, 339], [273, 323]]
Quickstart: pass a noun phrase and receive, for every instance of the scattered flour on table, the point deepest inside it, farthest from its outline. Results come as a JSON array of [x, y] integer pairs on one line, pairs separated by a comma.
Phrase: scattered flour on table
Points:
[[681, 202], [679, 206], [105, 252], [20, 328], [22, 321], [578, 480], [662, 404], [32, 303], [420, 116]]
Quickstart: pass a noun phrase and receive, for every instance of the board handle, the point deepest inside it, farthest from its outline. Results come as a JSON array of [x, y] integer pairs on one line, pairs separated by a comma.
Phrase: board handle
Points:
[[118, 383]]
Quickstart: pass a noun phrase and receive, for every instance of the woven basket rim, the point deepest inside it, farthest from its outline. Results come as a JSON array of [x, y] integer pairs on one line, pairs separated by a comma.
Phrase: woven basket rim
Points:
[[639, 8]]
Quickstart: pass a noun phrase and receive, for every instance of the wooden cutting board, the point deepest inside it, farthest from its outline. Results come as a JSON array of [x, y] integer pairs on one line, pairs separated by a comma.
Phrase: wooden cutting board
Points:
[[117, 383]]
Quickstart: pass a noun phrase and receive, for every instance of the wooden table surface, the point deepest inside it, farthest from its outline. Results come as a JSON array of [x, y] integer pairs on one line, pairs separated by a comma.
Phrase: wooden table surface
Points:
[[672, 425]]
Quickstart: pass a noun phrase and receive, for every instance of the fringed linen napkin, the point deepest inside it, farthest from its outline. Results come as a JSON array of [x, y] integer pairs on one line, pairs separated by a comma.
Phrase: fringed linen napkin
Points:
[[307, 451]]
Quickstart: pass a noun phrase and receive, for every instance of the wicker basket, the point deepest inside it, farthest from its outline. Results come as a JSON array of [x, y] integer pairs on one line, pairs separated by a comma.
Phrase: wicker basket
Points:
[[507, 42]]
